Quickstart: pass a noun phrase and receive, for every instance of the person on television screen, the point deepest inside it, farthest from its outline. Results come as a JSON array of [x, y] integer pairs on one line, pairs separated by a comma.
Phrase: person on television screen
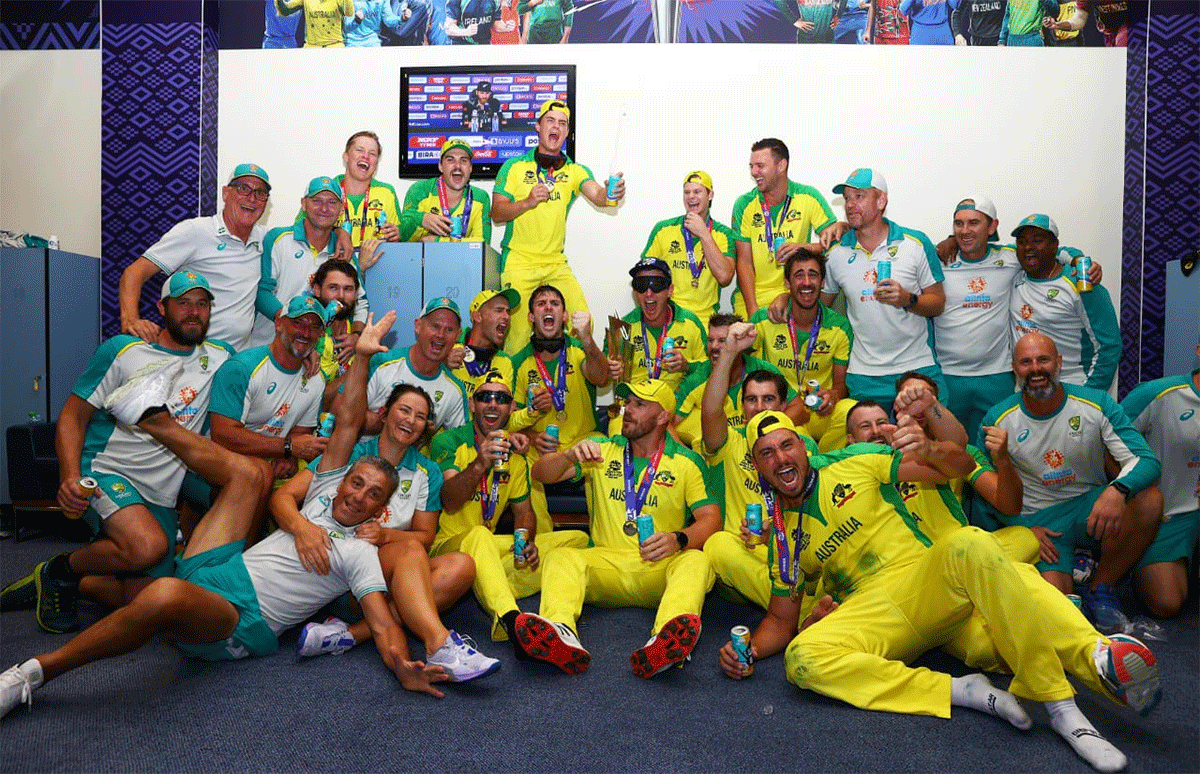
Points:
[[533, 194], [447, 208], [482, 113]]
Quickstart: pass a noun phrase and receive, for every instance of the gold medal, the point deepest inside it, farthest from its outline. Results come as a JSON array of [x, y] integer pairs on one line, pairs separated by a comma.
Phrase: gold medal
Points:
[[630, 528], [468, 355], [695, 282], [561, 416]]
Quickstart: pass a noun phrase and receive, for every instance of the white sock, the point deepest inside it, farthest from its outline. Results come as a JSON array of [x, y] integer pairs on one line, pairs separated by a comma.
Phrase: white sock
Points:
[[32, 669], [1085, 740], [974, 691]]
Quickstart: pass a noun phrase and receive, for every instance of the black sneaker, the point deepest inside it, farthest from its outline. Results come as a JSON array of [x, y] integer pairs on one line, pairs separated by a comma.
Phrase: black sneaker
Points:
[[20, 594], [55, 601]]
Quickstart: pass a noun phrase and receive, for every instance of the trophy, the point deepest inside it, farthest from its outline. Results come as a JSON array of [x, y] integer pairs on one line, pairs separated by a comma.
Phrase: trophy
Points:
[[620, 347]]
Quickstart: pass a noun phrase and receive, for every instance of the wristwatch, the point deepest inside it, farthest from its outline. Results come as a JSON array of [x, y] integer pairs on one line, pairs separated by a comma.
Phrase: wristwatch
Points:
[[1122, 488], [287, 448], [682, 538], [913, 302]]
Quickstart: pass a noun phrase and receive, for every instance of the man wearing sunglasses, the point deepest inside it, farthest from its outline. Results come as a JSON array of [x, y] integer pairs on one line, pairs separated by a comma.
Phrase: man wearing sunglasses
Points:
[[226, 248], [532, 195], [657, 319], [474, 496]]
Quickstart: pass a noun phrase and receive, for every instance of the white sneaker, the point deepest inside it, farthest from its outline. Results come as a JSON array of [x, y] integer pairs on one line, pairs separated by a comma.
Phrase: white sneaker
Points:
[[459, 659], [332, 637], [148, 387], [15, 689]]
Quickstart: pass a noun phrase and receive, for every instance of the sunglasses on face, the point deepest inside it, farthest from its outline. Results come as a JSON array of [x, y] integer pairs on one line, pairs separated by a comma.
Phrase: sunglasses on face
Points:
[[653, 284], [493, 396]]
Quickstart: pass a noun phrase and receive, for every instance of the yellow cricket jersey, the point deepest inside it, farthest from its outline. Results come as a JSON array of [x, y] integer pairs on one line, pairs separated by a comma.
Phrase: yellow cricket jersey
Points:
[[322, 20], [330, 367], [690, 396], [668, 243], [422, 197], [677, 491], [807, 213], [580, 404], [854, 526], [774, 345], [537, 236], [935, 508], [455, 450], [691, 341], [472, 376]]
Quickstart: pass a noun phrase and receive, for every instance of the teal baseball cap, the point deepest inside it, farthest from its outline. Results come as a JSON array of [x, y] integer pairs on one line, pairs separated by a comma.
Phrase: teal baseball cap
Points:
[[862, 178], [251, 170], [319, 184], [1037, 220], [182, 281], [441, 302], [306, 304]]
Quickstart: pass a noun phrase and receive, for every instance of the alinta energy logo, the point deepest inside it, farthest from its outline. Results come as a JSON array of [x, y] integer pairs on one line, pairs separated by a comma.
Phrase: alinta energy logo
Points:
[[1026, 312], [1054, 458], [977, 284]]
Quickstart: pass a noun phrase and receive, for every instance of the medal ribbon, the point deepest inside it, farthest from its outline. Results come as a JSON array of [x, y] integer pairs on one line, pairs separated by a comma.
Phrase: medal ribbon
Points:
[[769, 227], [478, 366], [812, 342], [488, 500], [787, 569], [467, 200], [654, 367], [635, 500], [546, 176], [689, 242], [558, 395]]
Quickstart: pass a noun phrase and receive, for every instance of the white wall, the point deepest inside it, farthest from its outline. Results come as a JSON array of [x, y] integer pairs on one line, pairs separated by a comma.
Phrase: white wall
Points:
[[50, 146], [1037, 130]]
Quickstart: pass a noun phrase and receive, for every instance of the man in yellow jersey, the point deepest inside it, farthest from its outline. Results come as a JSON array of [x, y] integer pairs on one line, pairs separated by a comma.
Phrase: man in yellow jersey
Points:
[[556, 380], [740, 567], [533, 194], [447, 208], [370, 208], [322, 20], [483, 352], [812, 343], [699, 250], [650, 515], [872, 593], [474, 496], [691, 391], [771, 222], [666, 339]]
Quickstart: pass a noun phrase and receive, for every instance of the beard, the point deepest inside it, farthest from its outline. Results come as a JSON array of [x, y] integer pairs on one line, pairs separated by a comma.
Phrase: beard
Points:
[[1040, 393], [553, 344], [176, 332]]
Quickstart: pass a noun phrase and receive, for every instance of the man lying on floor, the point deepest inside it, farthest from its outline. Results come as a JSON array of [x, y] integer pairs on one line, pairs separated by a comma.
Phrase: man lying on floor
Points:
[[223, 604]]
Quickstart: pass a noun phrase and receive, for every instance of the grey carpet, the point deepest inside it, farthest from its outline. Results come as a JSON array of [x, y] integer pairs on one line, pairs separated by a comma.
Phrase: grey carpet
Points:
[[156, 711]]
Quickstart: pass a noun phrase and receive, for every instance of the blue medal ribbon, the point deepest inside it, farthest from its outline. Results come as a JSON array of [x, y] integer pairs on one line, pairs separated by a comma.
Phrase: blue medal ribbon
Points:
[[635, 500], [812, 342], [558, 393], [654, 367]]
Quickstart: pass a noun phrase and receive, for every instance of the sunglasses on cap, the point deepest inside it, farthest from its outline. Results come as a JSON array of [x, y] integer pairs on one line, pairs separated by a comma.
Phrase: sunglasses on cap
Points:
[[653, 284], [493, 396]]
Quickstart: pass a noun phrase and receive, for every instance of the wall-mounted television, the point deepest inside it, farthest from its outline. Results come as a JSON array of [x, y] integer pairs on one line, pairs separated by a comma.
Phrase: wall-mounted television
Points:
[[493, 107]]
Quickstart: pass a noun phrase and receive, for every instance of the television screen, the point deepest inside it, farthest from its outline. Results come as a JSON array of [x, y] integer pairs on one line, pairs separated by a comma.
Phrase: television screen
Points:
[[493, 108]]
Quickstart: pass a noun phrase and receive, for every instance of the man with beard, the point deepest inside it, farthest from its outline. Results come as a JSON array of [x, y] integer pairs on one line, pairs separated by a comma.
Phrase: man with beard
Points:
[[1058, 437], [291, 255], [699, 250], [475, 494], [645, 533], [336, 282], [1082, 323], [889, 314], [690, 394], [772, 221], [226, 248], [812, 343], [533, 194], [868, 592], [132, 511], [491, 313], [448, 208], [481, 111], [263, 404], [556, 380], [656, 319], [422, 364], [740, 567]]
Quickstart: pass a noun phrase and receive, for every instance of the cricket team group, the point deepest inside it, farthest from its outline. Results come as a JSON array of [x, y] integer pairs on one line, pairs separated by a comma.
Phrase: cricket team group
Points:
[[940, 465]]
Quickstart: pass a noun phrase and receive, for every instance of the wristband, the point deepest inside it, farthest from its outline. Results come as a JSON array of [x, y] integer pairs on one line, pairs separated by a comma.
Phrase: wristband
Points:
[[1122, 488], [915, 298], [287, 448]]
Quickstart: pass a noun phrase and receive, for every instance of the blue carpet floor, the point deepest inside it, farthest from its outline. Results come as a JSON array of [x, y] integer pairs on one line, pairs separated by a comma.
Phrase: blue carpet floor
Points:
[[156, 711]]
